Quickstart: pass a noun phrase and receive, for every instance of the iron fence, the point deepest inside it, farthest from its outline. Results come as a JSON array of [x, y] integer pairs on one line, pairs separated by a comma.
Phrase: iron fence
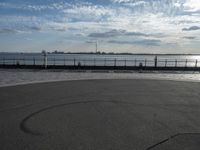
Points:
[[100, 62]]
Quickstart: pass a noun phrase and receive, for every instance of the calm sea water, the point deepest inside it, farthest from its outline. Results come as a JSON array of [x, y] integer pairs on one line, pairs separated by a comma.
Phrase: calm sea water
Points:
[[99, 60]]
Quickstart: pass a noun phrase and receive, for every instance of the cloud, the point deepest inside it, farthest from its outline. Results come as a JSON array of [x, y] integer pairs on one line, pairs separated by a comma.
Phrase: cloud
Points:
[[30, 29], [192, 5], [112, 33], [136, 34], [186, 21], [128, 1], [192, 28], [115, 33], [28, 6], [189, 37], [19, 30], [60, 29], [131, 3], [8, 31], [34, 28], [144, 42], [81, 20], [88, 12]]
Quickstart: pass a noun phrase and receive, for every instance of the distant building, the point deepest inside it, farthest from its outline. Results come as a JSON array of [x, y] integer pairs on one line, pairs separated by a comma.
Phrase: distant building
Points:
[[57, 52]]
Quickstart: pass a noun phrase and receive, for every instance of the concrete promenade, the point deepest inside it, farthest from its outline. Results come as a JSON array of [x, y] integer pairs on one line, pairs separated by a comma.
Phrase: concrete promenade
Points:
[[101, 115]]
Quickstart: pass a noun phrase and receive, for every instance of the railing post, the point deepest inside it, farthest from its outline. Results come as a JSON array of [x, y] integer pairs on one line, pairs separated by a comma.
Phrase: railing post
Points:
[[45, 60], [115, 62], [176, 63], [34, 61], [74, 62], [64, 61], [145, 62], [125, 62], [155, 61], [94, 62], [165, 62], [135, 62], [186, 62], [196, 62], [3, 61], [105, 62]]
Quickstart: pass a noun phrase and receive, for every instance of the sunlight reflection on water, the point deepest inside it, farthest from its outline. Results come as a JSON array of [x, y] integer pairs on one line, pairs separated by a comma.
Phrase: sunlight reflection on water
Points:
[[196, 57]]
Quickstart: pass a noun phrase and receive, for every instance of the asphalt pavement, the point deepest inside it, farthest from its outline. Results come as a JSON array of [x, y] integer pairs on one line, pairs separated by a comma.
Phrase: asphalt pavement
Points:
[[101, 115]]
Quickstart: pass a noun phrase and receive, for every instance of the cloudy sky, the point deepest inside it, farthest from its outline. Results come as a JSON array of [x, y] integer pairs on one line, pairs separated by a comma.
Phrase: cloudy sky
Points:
[[138, 26]]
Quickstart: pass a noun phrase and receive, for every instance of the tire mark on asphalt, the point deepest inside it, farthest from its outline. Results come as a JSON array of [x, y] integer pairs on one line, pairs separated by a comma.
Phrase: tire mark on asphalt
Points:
[[24, 127]]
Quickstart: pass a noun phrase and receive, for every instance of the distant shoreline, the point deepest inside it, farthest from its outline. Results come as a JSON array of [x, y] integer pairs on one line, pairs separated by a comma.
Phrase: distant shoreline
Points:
[[99, 53]]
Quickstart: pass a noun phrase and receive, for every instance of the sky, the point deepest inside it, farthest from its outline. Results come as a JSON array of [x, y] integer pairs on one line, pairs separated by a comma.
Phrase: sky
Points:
[[135, 26]]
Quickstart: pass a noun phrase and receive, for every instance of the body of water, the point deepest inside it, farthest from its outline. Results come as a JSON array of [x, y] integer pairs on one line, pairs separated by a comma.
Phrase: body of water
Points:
[[99, 59]]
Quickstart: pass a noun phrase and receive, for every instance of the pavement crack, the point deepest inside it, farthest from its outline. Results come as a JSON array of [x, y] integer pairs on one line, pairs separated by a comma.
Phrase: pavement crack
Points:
[[167, 139]]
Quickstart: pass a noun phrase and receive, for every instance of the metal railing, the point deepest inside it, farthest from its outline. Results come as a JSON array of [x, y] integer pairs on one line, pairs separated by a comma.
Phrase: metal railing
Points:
[[100, 62]]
